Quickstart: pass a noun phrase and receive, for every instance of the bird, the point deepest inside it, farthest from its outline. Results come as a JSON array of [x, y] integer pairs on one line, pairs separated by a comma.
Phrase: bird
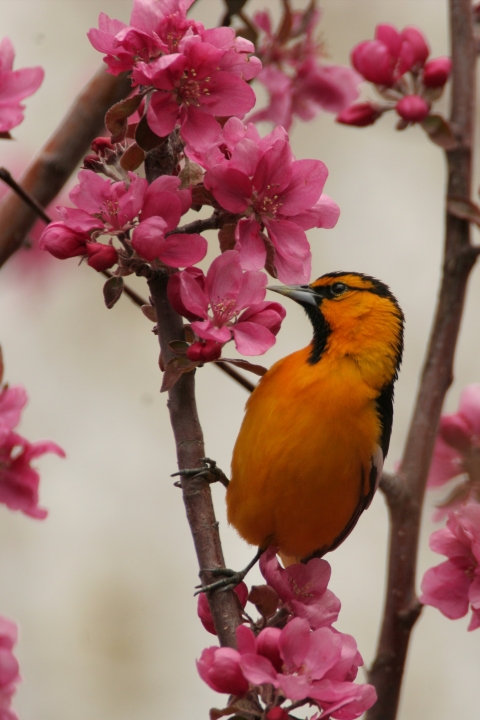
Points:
[[310, 451]]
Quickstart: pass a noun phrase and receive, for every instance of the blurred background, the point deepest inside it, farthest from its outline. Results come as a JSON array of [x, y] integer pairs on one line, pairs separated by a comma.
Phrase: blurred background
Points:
[[103, 589]]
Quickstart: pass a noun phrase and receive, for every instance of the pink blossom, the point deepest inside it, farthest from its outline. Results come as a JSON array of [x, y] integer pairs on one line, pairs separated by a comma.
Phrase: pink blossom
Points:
[[386, 59], [360, 114], [318, 665], [454, 585], [436, 72], [458, 439], [15, 85], [203, 609], [228, 303], [280, 198], [222, 149], [297, 83], [302, 588], [156, 28], [18, 481], [100, 256], [191, 89], [413, 108], [220, 669], [204, 351], [9, 668]]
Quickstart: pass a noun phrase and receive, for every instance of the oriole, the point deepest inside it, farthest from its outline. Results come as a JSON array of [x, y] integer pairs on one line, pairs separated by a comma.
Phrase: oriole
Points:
[[310, 451]]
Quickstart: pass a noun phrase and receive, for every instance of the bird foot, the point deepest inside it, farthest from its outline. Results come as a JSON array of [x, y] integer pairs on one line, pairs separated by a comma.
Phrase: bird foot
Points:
[[229, 579], [209, 470]]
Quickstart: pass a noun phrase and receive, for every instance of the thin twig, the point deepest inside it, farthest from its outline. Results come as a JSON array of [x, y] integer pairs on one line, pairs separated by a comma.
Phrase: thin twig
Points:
[[405, 503], [198, 226], [50, 170]]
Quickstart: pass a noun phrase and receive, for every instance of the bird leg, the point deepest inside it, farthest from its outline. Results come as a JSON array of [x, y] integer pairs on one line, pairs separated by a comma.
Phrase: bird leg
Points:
[[209, 470], [231, 578]]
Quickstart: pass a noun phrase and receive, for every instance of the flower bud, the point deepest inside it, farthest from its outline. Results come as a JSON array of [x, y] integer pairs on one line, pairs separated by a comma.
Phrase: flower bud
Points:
[[204, 351], [455, 432], [203, 609], [413, 108], [418, 44], [220, 669], [360, 115], [100, 144], [436, 72], [62, 242], [101, 257]]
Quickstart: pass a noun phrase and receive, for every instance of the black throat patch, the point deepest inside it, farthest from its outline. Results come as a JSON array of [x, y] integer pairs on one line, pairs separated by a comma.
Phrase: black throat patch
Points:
[[321, 332]]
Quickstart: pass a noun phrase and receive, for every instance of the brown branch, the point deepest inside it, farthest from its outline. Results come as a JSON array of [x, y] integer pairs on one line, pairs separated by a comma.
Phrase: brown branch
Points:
[[190, 451], [198, 226], [50, 170], [405, 504]]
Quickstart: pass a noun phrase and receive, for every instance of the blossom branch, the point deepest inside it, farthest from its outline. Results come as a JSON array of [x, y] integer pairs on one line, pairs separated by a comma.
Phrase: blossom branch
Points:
[[190, 453], [406, 491], [198, 226], [47, 174]]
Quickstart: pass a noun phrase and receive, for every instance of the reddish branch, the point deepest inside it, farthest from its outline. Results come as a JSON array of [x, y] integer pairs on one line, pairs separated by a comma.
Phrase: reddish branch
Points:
[[405, 492], [50, 170]]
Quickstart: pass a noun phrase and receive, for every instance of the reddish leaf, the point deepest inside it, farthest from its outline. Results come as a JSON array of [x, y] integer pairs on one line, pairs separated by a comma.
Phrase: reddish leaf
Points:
[[286, 25], [5, 135], [116, 117], [145, 137], [149, 312], [174, 370], [179, 346], [265, 599], [464, 209], [440, 132], [226, 237], [245, 365], [191, 174], [202, 196], [216, 713], [132, 158], [112, 291]]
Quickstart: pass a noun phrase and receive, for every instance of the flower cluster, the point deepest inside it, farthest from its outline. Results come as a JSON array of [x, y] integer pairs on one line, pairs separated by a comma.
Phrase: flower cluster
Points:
[[306, 661], [397, 64], [9, 669], [114, 209], [192, 75], [18, 480], [275, 197], [298, 83], [454, 586], [15, 85]]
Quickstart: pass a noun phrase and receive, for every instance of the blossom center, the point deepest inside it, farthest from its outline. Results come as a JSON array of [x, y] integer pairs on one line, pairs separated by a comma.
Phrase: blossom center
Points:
[[191, 90], [223, 311]]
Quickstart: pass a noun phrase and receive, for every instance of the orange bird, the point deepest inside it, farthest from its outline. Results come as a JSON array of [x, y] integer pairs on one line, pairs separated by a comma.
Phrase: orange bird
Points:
[[317, 427]]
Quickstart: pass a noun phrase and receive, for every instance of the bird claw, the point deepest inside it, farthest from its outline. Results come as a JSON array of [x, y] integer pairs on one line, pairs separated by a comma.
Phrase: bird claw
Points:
[[229, 581], [209, 470]]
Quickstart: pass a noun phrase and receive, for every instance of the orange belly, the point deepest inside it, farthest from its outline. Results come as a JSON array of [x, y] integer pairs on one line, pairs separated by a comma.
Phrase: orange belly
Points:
[[302, 458]]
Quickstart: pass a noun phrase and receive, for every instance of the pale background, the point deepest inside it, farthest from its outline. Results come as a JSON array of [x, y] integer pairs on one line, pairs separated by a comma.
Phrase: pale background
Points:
[[102, 589]]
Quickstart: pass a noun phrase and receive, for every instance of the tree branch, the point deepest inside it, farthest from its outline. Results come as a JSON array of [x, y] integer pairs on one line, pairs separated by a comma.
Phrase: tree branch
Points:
[[405, 504], [190, 451], [50, 170]]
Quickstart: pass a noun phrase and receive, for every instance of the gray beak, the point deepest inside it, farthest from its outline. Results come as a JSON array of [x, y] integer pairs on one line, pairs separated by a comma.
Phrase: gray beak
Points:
[[302, 294]]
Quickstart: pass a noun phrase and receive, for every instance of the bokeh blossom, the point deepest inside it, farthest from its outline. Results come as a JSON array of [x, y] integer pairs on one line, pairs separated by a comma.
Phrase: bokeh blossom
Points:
[[228, 304], [279, 198], [15, 85], [396, 63], [18, 480], [298, 81], [9, 668], [454, 586]]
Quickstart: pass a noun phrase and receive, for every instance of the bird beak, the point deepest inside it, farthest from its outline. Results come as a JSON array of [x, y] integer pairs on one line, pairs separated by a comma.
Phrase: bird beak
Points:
[[302, 294]]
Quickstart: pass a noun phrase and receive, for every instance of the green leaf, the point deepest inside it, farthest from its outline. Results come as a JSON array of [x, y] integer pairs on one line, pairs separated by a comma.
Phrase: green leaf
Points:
[[440, 132], [145, 137], [132, 158], [464, 209], [112, 291], [116, 118]]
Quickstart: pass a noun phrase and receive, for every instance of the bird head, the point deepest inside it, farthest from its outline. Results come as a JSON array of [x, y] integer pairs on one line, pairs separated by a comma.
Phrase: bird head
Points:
[[352, 314]]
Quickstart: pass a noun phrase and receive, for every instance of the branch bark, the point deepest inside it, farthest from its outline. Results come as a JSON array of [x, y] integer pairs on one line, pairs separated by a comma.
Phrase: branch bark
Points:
[[190, 447], [406, 491], [50, 170]]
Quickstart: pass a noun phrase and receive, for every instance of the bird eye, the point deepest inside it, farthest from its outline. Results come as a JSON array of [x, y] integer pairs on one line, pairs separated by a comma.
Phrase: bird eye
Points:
[[338, 288]]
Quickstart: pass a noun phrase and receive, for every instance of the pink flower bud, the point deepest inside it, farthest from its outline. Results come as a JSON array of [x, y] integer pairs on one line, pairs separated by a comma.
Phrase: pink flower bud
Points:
[[413, 108], [62, 242], [456, 433], [360, 115], [174, 292], [220, 669], [203, 610], [277, 713], [101, 257], [418, 43], [100, 144], [206, 351], [436, 72], [268, 645]]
